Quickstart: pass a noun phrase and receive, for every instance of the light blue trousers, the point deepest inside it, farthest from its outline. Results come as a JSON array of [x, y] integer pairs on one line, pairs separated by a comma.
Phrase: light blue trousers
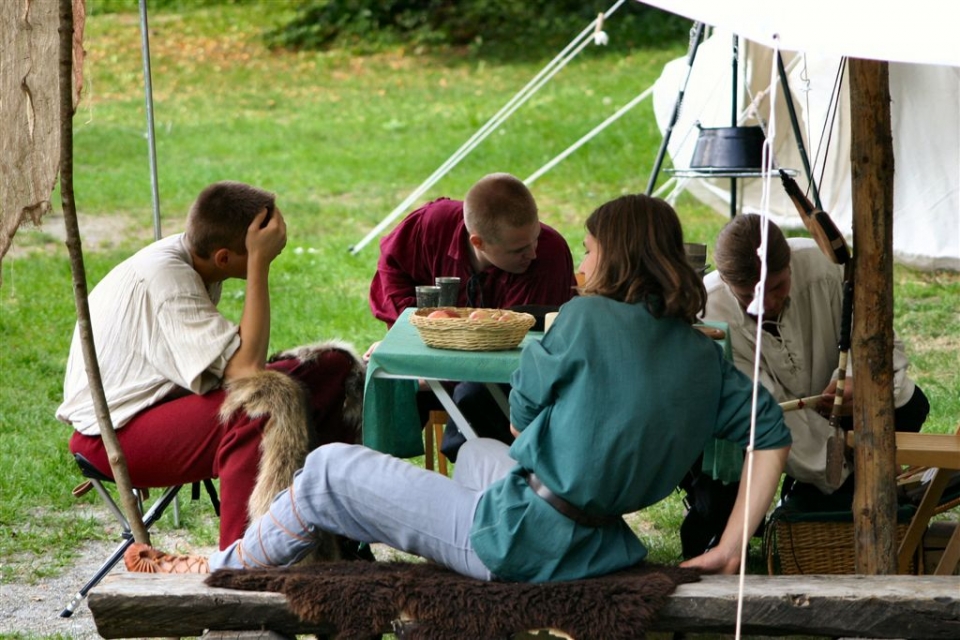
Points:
[[370, 497]]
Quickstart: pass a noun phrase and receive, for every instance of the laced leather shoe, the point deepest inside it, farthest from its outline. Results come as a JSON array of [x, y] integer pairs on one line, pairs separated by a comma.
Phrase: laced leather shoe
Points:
[[142, 558]]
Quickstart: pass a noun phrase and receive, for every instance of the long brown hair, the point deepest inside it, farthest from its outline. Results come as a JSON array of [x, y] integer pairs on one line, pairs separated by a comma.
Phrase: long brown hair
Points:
[[642, 259]]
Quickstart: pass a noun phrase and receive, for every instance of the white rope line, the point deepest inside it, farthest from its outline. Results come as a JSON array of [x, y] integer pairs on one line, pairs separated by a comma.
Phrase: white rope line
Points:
[[676, 186], [806, 89], [589, 136], [758, 300], [569, 52], [753, 107]]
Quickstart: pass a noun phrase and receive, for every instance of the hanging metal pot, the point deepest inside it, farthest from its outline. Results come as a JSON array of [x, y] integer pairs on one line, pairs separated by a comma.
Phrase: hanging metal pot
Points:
[[728, 148]]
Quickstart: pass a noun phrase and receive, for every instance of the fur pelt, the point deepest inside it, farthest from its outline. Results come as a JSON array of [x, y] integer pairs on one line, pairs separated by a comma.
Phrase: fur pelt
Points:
[[286, 437], [353, 400], [424, 600]]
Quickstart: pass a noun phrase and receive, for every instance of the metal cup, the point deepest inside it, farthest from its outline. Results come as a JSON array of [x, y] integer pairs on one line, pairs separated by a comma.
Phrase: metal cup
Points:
[[548, 320], [428, 296], [696, 256], [449, 290]]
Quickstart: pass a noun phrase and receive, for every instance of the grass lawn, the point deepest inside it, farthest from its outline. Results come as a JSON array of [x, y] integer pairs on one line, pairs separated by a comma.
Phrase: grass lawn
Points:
[[342, 140]]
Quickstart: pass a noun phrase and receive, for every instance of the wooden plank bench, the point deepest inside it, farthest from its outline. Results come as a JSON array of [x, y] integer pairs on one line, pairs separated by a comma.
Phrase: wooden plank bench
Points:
[[142, 605]]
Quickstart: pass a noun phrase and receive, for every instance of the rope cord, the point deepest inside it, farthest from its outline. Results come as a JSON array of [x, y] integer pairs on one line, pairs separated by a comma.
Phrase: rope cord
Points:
[[806, 89], [826, 134], [580, 42], [589, 136], [758, 300]]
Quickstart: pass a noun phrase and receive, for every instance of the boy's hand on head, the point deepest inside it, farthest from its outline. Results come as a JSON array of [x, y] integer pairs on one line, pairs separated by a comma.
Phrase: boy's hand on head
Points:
[[266, 235]]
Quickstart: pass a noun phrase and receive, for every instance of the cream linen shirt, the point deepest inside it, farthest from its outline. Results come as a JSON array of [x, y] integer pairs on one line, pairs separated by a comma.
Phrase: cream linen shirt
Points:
[[804, 359], [158, 335]]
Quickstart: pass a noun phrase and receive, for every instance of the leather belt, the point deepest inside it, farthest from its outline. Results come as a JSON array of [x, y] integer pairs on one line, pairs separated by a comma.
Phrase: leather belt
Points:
[[563, 506]]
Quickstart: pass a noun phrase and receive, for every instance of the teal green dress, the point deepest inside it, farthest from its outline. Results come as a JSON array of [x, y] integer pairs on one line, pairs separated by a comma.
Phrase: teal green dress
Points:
[[614, 406]]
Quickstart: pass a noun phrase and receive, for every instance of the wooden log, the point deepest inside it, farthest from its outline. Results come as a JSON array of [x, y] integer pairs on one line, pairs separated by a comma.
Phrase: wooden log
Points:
[[836, 606], [872, 166], [128, 605], [143, 605], [245, 635]]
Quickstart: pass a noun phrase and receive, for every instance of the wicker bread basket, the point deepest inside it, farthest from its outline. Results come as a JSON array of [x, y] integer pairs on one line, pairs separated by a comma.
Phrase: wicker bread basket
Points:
[[488, 334]]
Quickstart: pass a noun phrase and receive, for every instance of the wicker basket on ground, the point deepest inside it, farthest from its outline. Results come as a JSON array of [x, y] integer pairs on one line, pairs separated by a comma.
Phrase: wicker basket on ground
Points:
[[497, 331], [807, 543]]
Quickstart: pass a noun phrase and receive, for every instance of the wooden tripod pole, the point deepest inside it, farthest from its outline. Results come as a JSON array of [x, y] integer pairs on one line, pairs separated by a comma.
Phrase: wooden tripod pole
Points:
[[118, 463]]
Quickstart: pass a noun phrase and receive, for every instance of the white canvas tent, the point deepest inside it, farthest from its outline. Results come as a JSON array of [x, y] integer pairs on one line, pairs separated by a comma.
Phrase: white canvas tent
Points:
[[925, 109], [874, 42], [921, 31]]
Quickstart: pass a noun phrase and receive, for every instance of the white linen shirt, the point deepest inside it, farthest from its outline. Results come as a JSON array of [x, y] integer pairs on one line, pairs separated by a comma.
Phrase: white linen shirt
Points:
[[804, 359], [158, 334]]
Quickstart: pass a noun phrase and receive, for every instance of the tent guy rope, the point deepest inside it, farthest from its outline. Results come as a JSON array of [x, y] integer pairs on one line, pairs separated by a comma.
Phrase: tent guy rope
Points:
[[589, 34]]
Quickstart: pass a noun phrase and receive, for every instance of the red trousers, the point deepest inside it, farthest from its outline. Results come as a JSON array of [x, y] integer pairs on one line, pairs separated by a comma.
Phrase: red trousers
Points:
[[183, 441]]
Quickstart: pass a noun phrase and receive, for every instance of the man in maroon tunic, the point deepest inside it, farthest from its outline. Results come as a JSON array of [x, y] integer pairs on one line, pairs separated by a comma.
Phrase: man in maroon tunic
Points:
[[505, 257]]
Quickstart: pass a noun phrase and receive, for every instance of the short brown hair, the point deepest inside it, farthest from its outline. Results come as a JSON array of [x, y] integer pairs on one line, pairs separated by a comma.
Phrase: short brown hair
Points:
[[221, 215], [736, 251], [495, 201], [642, 259]]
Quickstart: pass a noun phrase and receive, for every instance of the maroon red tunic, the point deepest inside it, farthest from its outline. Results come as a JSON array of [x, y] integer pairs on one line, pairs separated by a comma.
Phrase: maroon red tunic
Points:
[[433, 241]]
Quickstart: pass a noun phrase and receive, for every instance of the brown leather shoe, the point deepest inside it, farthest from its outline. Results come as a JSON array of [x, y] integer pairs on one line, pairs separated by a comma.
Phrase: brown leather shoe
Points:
[[143, 558]]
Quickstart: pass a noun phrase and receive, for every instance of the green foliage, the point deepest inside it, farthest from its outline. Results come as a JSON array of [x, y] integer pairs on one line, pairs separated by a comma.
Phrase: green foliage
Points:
[[511, 27], [133, 6]]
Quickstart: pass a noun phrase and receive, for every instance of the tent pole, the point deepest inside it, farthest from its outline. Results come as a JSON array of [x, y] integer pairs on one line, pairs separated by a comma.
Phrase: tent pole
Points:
[[734, 114], [696, 35], [871, 154], [151, 137], [795, 124]]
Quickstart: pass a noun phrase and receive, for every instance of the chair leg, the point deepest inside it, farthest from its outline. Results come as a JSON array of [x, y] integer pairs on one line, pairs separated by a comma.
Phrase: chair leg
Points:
[[438, 434], [428, 445], [432, 437], [152, 515]]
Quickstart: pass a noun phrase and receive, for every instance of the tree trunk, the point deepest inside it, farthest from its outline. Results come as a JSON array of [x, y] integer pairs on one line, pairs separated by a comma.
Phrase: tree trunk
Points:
[[871, 157], [118, 463]]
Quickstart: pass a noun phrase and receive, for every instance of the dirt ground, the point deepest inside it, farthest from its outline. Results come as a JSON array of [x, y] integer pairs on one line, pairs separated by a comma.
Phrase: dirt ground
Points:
[[96, 233], [32, 610]]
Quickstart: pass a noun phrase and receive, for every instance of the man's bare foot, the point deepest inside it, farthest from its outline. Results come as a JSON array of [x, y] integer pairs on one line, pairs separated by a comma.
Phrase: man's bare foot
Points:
[[143, 558]]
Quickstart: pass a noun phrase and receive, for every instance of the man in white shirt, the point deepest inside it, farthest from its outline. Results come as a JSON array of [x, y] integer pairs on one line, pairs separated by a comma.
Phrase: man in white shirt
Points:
[[192, 394], [799, 351]]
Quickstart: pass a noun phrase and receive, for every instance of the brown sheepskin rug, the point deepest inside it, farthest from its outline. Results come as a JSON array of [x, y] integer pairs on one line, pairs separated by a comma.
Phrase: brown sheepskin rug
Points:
[[364, 599]]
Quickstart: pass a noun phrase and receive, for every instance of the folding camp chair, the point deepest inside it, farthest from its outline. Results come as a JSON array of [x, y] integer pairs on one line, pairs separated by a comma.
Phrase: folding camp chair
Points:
[[96, 480]]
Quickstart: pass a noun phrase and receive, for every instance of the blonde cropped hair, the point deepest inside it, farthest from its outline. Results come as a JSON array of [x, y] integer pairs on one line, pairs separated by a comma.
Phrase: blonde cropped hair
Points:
[[496, 201]]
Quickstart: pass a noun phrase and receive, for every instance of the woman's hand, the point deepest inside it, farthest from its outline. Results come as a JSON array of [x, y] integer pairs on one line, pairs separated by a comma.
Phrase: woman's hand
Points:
[[714, 561], [369, 352]]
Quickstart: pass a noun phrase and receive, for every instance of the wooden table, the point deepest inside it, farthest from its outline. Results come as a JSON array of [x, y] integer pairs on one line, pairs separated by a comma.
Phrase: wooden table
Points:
[[391, 422], [940, 452]]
